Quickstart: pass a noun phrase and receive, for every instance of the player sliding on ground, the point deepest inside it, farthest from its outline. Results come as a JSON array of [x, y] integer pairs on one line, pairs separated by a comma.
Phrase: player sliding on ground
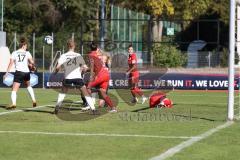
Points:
[[23, 61], [100, 75], [73, 64], [133, 74]]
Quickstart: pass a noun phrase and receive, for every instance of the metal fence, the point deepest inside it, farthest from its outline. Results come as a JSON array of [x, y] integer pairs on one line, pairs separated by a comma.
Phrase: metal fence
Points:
[[114, 36]]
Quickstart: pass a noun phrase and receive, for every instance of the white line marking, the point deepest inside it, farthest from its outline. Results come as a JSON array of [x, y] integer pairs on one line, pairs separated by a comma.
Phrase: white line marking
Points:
[[98, 134], [122, 101], [197, 95], [172, 151], [21, 110], [202, 103], [5, 91]]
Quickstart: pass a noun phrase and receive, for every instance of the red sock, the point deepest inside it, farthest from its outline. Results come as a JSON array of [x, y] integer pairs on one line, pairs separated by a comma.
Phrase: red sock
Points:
[[108, 101], [133, 92], [138, 91]]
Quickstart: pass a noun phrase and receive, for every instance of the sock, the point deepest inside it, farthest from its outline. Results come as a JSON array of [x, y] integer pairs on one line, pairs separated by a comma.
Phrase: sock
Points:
[[90, 102], [61, 97], [14, 97], [108, 101], [133, 92], [138, 91], [94, 94], [84, 99], [31, 93]]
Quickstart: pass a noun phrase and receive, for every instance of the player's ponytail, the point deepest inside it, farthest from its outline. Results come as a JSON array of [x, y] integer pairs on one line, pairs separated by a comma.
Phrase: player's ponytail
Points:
[[23, 41], [93, 46], [130, 45]]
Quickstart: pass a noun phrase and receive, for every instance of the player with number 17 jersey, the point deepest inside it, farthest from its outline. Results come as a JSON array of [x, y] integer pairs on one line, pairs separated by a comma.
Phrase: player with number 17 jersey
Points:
[[21, 59]]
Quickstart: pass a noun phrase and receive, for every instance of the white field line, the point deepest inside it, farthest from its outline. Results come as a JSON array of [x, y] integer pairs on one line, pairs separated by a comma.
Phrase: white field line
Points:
[[178, 148], [201, 103], [97, 134], [9, 91], [217, 103], [185, 95], [21, 110], [5, 91]]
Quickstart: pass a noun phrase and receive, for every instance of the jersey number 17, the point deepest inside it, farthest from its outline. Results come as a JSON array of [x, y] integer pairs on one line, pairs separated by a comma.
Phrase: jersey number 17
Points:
[[21, 57]]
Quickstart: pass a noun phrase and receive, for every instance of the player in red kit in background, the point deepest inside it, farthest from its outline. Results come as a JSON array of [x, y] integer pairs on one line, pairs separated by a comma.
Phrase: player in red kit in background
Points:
[[133, 76]]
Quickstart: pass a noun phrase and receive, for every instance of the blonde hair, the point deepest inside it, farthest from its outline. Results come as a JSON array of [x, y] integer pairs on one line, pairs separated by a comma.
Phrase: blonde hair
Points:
[[105, 54]]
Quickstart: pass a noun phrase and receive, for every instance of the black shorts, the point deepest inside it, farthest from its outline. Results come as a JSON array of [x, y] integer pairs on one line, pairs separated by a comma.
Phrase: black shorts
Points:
[[20, 77], [73, 82]]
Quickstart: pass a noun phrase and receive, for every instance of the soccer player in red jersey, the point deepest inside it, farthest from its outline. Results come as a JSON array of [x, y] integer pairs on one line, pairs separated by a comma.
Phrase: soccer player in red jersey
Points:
[[100, 75], [133, 74]]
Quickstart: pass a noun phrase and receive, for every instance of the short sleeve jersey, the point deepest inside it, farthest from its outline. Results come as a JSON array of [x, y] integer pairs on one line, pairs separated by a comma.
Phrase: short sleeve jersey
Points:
[[132, 59], [105, 67], [71, 62], [21, 60], [97, 62]]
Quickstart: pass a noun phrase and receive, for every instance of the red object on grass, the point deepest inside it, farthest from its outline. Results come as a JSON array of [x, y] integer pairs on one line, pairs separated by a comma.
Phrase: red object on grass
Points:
[[160, 99]]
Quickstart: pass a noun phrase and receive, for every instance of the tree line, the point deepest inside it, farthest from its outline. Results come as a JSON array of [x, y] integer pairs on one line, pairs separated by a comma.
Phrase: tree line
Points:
[[66, 16]]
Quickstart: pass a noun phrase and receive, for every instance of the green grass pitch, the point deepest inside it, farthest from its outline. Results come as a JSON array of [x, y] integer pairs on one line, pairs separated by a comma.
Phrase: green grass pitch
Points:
[[134, 133]]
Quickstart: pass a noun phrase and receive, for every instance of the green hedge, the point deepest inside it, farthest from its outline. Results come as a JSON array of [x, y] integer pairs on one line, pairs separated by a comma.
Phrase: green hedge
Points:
[[165, 55]]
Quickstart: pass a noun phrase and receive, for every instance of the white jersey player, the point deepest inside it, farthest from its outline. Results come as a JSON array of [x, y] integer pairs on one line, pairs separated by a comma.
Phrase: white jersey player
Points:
[[22, 60], [73, 64]]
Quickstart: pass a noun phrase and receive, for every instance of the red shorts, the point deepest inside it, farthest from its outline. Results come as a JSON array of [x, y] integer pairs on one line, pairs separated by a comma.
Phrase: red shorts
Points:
[[134, 77], [101, 81]]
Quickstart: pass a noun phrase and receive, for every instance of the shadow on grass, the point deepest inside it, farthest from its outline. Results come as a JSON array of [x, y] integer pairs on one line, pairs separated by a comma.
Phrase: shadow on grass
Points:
[[69, 113], [38, 111], [195, 117], [141, 109], [3, 106], [190, 117]]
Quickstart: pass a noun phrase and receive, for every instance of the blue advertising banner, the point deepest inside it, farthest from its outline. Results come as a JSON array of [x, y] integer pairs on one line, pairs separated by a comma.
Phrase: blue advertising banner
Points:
[[151, 81], [176, 81], [36, 80], [161, 81]]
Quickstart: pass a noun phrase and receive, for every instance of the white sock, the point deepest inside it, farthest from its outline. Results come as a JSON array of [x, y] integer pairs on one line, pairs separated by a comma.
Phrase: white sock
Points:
[[94, 94], [61, 97], [90, 102], [31, 93], [14, 97]]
